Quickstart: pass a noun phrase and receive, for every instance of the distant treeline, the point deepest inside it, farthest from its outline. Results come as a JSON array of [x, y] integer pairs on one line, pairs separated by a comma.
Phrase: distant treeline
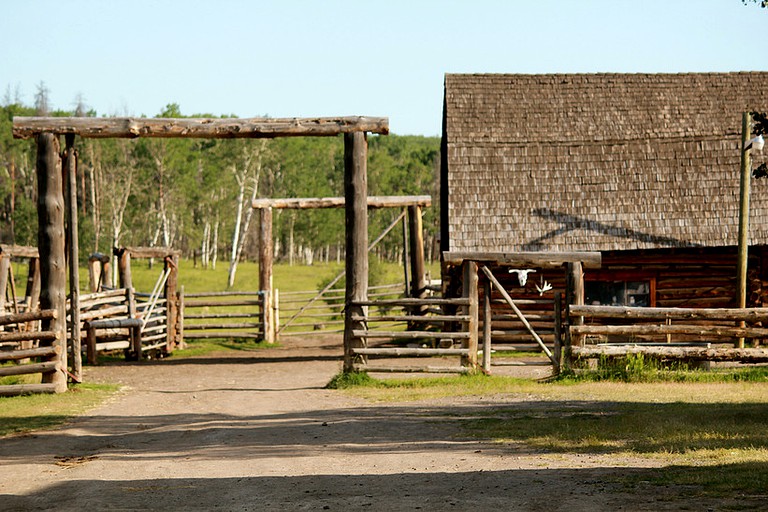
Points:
[[194, 195]]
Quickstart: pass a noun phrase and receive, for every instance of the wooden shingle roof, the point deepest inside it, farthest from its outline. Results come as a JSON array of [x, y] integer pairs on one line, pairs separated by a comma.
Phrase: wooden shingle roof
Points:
[[591, 162]]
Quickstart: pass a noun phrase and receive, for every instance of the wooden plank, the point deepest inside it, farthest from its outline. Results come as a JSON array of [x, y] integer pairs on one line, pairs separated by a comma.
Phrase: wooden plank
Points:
[[115, 323], [413, 302], [19, 251], [744, 355], [144, 253], [27, 389], [363, 333], [25, 369], [410, 369], [211, 303], [50, 241], [200, 327], [692, 330], [525, 259], [409, 318], [411, 351], [735, 314], [302, 203], [223, 334], [208, 128]]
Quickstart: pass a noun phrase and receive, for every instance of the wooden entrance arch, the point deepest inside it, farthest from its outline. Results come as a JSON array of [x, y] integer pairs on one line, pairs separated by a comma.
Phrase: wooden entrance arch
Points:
[[51, 194]]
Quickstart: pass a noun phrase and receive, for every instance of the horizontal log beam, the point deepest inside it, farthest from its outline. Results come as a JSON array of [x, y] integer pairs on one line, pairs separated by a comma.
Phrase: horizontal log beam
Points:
[[31, 316], [24, 389], [300, 203], [216, 335], [150, 252], [361, 333], [29, 335], [230, 128], [15, 355], [213, 303], [412, 302], [410, 369], [26, 369], [19, 251], [411, 318], [114, 323], [526, 259], [691, 330], [410, 351], [736, 314], [745, 355]]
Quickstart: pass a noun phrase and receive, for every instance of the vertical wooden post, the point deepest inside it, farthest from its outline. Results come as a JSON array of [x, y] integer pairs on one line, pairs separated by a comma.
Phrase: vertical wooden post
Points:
[[418, 273], [33, 284], [406, 256], [171, 265], [74, 257], [487, 324], [558, 348], [5, 268], [276, 311], [356, 233], [180, 319], [470, 292], [743, 259], [574, 295], [50, 243], [90, 344], [265, 271], [125, 280], [94, 273]]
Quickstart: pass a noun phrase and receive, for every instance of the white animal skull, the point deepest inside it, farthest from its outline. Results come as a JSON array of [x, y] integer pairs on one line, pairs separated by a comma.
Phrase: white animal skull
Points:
[[522, 274]]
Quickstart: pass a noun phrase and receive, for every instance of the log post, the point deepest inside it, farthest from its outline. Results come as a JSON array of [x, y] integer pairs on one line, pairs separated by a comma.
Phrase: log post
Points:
[[470, 291], [90, 344], [74, 257], [171, 266], [418, 273], [50, 242], [125, 279], [33, 284], [487, 324], [180, 318], [574, 296], [558, 348], [265, 272], [5, 269], [743, 248], [356, 233]]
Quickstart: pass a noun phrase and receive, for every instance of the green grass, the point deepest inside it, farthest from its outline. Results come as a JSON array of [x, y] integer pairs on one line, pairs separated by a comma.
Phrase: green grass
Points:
[[21, 414]]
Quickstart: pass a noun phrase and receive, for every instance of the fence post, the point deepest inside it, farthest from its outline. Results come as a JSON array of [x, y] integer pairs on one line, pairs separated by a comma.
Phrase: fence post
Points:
[[50, 243], [180, 318], [5, 268], [558, 349], [265, 271], [574, 295], [276, 312], [171, 265], [470, 292], [356, 234], [487, 324]]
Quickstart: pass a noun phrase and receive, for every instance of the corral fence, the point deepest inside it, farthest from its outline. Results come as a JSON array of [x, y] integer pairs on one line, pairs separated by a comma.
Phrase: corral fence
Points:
[[665, 333], [26, 349]]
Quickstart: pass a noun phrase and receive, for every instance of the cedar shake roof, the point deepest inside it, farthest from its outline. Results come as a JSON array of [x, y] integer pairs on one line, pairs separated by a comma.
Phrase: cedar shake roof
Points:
[[597, 162]]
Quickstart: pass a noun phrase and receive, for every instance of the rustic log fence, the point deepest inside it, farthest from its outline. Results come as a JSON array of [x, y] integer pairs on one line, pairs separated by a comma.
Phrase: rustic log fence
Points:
[[220, 315], [25, 352], [641, 328]]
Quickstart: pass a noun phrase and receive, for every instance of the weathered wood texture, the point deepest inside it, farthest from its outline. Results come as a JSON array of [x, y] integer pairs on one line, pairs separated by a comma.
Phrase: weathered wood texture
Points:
[[19, 251], [734, 314], [744, 355], [373, 202], [265, 273], [73, 245], [231, 128], [356, 234], [525, 259], [50, 211]]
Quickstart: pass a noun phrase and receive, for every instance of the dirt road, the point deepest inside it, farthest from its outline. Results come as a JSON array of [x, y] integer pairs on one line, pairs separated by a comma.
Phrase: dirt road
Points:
[[257, 431]]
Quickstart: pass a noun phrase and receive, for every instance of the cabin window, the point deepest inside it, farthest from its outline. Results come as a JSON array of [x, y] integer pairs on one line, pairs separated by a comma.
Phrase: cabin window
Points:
[[618, 293]]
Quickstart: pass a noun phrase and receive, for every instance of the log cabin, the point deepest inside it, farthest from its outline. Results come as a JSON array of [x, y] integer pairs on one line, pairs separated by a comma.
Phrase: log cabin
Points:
[[642, 168]]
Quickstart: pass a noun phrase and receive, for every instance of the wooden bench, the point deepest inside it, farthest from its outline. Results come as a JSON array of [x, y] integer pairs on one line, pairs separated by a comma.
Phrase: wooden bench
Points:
[[133, 344]]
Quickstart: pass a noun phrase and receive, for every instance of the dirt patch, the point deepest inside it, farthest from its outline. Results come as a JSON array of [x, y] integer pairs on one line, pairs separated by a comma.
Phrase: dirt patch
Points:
[[257, 431]]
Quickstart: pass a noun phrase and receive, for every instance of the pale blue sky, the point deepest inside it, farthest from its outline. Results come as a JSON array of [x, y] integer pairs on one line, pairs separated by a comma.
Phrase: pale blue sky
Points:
[[337, 57]]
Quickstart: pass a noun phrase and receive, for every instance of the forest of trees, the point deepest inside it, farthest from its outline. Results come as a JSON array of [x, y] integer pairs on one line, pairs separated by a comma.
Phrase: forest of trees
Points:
[[194, 195]]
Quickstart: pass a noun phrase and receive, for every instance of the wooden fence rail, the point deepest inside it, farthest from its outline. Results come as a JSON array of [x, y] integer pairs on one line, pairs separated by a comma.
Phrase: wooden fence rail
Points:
[[689, 323], [236, 315]]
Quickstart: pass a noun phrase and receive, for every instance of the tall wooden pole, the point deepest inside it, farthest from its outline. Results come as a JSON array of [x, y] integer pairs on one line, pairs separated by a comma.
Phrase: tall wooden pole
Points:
[[50, 243], [743, 261], [74, 257], [265, 272], [170, 265], [356, 232], [574, 296], [470, 291], [418, 273]]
